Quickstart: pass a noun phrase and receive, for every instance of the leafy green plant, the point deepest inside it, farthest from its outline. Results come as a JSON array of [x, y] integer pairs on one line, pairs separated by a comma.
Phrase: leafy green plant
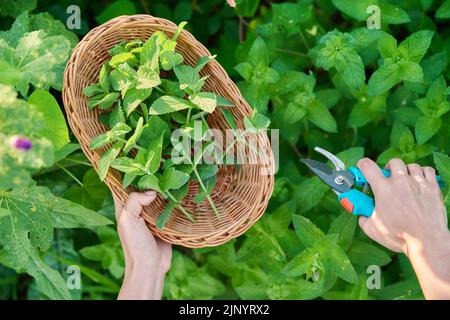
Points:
[[311, 67], [143, 108]]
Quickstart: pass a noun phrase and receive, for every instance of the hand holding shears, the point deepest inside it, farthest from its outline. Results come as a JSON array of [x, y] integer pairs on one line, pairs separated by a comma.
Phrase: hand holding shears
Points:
[[342, 182]]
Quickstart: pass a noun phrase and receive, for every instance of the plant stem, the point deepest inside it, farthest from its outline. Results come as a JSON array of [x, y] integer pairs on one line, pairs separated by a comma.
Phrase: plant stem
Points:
[[295, 53], [70, 174], [208, 196], [304, 39], [78, 162], [179, 206], [188, 117]]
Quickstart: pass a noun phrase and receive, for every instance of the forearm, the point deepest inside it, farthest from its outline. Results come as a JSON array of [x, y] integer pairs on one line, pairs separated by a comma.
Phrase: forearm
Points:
[[430, 259], [146, 284]]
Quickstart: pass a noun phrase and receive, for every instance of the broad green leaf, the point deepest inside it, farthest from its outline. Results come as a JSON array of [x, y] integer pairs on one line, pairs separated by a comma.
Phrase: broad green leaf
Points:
[[307, 231], [321, 117], [115, 9], [167, 104], [207, 101], [123, 78], [259, 54], [147, 78], [128, 165], [309, 193], [307, 262], [48, 280], [150, 53], [154, 149], [37, 59], [55, 128], [165, 215], [366, 254], [426, 128], [416, 45], [149, 182], [104, 102], [135, 137], [383, 79], [391, 14], [14, 8], [291, 15], [338, 50], [442, 162], [388, 46], [133, 98], [443, 12], [172, 179], [36, 213], [337, 260], [125, 57], [91, 195], [105, 161], [344, 225], [156, 127], [294, 113]]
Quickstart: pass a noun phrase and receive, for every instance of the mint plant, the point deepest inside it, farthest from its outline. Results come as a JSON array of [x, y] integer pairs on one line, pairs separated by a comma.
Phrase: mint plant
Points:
[[143, 106], [311, 68]]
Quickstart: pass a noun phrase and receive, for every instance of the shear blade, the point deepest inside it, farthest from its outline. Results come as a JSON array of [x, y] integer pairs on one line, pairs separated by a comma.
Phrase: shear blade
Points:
[[328, 175]]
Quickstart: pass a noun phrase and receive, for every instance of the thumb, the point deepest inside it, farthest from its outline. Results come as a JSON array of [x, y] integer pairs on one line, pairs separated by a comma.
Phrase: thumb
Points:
[[365, 225], [371, 172], [136, 201]]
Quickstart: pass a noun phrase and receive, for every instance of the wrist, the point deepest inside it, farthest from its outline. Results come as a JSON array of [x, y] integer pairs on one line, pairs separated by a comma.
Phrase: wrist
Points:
[[141, 282], [433, 245]]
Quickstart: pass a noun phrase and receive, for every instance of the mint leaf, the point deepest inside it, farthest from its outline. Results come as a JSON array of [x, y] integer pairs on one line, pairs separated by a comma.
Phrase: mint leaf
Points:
[[426, 128], [401, 64], [443, 12], [259, 54], [337, 49], [206, 101], [416, 45], [321, 117], [307, 231], [442, 162], [167, 104], [172, 179]]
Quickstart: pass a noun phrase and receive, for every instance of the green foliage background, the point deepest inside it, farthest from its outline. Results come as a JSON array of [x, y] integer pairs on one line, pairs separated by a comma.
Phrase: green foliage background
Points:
[[311, 66]]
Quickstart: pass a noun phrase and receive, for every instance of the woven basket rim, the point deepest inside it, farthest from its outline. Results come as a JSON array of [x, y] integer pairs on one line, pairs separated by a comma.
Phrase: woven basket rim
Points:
[[251, 195]]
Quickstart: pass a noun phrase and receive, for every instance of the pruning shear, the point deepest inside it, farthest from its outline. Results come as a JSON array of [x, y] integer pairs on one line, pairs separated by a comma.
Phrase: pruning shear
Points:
[[342, 182]]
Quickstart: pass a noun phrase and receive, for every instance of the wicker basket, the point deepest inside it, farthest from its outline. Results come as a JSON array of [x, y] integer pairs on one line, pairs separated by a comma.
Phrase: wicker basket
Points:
[[241, 196]]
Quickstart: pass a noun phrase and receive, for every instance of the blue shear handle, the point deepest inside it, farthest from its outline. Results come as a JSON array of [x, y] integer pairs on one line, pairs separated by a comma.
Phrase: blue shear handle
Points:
[[357, 203], [360, 180]]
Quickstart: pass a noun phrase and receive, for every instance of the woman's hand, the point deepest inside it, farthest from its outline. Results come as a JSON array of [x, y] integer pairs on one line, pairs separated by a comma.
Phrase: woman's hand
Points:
[[410, 217], [147, 259]]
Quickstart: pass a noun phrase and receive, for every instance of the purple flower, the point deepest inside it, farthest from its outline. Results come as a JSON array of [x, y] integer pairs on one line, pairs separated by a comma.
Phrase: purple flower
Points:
[[20, 143]]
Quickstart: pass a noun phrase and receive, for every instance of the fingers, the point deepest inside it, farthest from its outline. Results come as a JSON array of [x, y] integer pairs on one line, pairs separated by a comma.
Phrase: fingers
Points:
[[430, 177], [397, 167], [136, 201], [416, 172], [372, 172]]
